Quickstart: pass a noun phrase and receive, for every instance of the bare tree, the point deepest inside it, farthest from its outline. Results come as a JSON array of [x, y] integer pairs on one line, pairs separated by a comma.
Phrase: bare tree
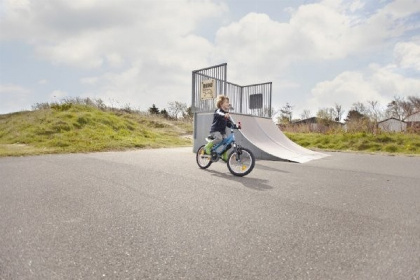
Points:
[[270, 111], [176, 109], [360, 108], [188, 114], [286, 112], [415, 101], [407, 108], [306, 114], [398, 108], [338, 112], [326, 114], [374, 111]]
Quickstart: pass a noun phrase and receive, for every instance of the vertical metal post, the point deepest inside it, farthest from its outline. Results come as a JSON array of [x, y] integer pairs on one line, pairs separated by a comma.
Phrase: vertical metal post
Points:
[[225, 78], [271, 96], [240, 99], [193, 105]]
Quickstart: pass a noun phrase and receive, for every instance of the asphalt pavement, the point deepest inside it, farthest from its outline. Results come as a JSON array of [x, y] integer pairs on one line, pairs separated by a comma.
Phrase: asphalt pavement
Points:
[[153, 214]]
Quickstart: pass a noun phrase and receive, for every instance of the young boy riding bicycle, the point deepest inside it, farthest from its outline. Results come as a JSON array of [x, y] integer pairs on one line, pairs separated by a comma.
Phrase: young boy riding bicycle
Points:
[[221, 120]]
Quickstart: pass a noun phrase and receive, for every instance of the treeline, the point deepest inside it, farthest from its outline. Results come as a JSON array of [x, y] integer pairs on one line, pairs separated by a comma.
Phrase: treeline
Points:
[[362, 117], [175, 111]]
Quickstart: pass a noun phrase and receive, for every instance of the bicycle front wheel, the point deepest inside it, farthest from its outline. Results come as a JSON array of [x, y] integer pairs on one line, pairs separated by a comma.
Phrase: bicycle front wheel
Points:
[[203, 159], [241, 162]]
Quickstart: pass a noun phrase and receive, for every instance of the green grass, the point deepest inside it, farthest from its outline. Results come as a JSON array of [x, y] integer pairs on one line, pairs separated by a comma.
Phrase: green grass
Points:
[[79, 128], [394, 143]]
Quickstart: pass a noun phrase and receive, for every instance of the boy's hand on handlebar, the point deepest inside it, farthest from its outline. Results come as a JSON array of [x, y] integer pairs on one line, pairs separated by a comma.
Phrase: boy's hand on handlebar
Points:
[[237, 126]]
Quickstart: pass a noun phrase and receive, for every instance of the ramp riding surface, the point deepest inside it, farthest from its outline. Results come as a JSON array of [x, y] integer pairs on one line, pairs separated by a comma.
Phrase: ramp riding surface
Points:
[[266, 136], [260, 135]]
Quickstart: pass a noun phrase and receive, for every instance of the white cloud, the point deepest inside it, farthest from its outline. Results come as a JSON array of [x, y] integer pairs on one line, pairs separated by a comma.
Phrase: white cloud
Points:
[[324, 33], [57, 95], [407, 55], [376, 83], [13, 89], [132, 51], [80, 52], [356, 5], [88, 33], [143, 52], [327, 31], [14, 98], [345, 89]]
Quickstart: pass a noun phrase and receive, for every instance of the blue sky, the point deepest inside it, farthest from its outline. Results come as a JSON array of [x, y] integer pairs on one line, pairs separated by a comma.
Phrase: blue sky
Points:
[[142, 52]]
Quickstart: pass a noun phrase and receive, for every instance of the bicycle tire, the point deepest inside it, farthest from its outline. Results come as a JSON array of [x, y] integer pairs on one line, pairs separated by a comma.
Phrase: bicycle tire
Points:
[[242, 166], [203, 160]]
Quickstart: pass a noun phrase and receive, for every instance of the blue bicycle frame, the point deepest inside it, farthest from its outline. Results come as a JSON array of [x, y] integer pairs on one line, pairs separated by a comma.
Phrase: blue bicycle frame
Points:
[[240, 161], [225, 142]]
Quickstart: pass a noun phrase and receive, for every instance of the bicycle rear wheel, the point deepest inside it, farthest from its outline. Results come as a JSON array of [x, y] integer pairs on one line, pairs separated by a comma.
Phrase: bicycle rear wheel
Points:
[[241, 162], [203, 159]]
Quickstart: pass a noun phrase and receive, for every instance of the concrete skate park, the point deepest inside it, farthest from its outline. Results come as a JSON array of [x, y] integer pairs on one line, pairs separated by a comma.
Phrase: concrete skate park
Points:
[[154, 214]]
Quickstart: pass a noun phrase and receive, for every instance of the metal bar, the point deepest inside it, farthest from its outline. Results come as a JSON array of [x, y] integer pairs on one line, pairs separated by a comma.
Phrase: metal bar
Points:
[[239, 95], [271, 96], [258, 84], [210, 68]]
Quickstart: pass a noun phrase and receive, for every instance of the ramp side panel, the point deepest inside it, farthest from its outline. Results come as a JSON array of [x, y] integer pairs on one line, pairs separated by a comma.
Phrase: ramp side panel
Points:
[[265, 135], [202, 123]]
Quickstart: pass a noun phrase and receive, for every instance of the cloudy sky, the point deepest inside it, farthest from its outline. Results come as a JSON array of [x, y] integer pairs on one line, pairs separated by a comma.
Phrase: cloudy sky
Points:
[[142, 52]]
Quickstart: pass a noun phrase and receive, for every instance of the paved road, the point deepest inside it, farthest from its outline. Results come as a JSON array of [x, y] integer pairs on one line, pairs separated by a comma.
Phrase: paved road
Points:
[[153, 214]]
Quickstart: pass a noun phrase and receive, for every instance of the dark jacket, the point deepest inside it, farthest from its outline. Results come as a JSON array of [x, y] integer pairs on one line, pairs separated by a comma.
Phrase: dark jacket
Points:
[[220, 122]]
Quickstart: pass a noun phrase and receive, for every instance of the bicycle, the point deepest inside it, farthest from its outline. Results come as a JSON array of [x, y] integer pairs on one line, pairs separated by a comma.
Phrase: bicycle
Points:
[[240, 161]]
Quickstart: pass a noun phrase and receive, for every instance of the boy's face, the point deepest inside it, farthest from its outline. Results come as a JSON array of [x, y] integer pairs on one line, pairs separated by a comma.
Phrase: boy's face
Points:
[[225, 105]]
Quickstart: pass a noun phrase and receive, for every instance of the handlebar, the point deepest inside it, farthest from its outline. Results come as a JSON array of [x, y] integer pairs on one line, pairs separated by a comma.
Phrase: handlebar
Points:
[[236, 126]]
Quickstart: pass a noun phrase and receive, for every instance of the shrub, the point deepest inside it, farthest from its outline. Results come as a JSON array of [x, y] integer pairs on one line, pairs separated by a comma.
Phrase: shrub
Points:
[[391, 148]]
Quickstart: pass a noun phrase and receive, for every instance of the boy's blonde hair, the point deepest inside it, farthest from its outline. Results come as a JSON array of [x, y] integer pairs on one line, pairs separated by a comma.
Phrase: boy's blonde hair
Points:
[[220, 100]]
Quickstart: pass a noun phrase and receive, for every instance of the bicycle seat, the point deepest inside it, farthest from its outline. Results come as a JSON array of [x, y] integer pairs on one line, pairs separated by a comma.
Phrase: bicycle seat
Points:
[[210, 137]]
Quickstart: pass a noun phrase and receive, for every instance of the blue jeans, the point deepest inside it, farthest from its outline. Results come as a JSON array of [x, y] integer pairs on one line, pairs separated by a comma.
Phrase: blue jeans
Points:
[[218, 137]]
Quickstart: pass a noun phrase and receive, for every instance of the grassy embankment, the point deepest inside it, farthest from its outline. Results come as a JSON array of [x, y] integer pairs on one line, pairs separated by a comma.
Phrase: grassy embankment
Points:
[[71, 128], [391, 143]]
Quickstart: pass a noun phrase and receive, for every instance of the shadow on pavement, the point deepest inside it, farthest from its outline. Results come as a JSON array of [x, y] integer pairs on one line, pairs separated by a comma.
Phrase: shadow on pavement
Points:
[[252, 183], [263, 167]]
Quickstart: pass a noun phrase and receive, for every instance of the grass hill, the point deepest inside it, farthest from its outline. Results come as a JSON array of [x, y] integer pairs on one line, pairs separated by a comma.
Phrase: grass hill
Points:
[[81, 126], [69, 128], [389, 143]]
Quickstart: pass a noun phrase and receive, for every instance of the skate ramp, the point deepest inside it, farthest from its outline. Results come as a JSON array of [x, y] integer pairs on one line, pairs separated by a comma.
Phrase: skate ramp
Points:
[[260, 135], [264, 135]]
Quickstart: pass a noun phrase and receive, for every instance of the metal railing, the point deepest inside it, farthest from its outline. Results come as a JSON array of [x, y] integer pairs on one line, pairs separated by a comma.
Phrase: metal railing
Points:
[[251, 99]]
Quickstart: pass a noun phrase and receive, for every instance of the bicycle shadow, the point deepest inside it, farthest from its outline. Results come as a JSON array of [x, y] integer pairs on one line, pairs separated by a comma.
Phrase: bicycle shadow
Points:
[[267, 168], [251, 183]]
